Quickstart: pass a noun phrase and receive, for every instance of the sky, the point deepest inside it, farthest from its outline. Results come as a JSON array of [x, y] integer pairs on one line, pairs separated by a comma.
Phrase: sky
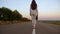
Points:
[[47, 9]]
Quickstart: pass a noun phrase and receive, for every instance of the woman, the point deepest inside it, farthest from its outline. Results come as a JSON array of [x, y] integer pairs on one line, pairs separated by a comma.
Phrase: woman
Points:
[[34, 13]]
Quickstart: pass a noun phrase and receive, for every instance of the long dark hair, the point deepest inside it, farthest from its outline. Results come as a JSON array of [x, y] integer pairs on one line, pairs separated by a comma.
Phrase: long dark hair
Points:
[[33, 5]]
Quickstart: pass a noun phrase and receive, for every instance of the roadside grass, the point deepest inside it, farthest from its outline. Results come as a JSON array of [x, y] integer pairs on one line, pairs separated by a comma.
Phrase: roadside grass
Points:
[[8, 22], [16, 22], [51, 22], [12, 22]]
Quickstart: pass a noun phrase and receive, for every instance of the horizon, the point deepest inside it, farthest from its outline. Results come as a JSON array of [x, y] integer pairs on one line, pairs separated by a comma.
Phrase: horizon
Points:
[[48, 9]]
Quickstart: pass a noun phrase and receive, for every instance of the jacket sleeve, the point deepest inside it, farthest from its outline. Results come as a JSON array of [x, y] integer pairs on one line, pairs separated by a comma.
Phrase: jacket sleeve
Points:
[[36, 12]]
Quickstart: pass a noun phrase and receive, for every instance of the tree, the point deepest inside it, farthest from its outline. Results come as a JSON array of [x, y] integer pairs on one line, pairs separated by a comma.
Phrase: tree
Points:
[[17, 15], [7, 14]]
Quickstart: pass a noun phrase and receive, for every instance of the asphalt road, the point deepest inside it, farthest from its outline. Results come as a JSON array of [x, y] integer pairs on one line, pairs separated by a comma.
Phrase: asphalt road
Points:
[[26, 28]]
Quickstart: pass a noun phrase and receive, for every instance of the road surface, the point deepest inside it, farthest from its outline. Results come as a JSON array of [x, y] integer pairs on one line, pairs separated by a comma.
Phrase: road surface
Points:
[[26, 28]]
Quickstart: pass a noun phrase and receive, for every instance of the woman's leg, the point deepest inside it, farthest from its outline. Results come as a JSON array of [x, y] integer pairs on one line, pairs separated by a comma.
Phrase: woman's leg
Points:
[[33, 21]]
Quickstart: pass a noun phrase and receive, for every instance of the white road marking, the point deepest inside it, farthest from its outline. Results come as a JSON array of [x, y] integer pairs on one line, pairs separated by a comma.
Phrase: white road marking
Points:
[[33, 32]]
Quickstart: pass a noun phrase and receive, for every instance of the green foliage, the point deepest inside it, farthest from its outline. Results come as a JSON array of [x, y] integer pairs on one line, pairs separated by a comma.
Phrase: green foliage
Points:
[[16, 15], [5, 13], [25, 19], [8, 15]]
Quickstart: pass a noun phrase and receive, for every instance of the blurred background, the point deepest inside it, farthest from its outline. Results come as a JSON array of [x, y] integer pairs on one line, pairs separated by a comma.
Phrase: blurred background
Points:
[[47, 9]]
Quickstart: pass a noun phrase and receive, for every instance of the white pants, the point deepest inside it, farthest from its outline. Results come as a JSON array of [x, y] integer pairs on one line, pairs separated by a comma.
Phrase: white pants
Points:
[[33, 21]]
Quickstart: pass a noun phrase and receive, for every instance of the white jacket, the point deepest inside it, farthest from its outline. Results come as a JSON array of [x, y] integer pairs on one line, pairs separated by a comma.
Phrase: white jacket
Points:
[[33, 12]]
